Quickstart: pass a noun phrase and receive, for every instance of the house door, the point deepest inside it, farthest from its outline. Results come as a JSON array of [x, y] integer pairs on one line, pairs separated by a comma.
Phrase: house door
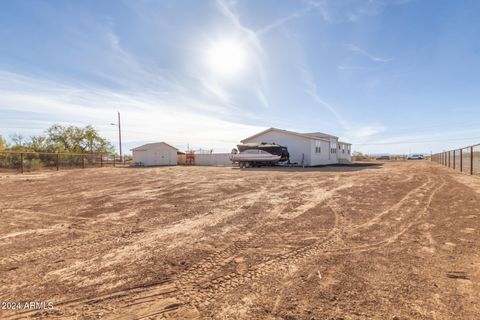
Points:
[[164, 158]]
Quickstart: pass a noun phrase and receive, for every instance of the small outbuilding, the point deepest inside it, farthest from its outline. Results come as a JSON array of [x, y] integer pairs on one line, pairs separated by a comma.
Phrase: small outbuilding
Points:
[[155, 154]]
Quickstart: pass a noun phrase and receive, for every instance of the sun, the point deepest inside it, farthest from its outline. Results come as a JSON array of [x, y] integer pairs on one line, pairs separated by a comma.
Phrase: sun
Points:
[[226, 58]]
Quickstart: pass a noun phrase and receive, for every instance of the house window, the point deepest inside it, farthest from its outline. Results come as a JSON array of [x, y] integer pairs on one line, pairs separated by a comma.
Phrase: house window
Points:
[[333, 146], [317, 146], [348, 149], [343, 148]]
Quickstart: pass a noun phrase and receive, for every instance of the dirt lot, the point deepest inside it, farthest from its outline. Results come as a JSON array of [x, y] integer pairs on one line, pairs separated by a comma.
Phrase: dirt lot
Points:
[[393, 241]]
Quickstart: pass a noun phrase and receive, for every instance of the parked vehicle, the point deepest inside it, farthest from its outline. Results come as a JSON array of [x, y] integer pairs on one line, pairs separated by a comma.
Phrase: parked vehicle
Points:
[[415, 157], [383, 158]]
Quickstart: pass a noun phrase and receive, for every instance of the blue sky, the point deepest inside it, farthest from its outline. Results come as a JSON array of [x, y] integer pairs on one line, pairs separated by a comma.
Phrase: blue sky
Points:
[[392, 76]]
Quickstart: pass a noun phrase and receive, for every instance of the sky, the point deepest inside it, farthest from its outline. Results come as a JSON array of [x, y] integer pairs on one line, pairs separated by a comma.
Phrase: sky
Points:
[[388, 76]]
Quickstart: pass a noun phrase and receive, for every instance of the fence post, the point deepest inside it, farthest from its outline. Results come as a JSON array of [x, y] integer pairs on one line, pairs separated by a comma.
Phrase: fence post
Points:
[[21, 162], [454, 159], [471, 160], [114, 160], [449, 159], [101, 160], [83, 162], [58, 161], [461, 160]]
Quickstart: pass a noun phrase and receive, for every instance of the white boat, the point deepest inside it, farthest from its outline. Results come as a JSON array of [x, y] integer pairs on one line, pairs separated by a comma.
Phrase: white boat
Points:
[[254, 155]]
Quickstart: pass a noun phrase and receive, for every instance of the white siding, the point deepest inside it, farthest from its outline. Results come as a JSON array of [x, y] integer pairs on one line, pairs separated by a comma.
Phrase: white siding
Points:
[[325, 156], [158, 155], [297, 146], [212, 159], [343, 153]]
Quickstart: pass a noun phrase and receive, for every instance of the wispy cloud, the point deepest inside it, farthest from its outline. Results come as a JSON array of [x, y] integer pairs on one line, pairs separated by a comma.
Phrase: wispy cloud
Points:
[[369, 8], [213, 88], [253, 37], [312, 90], [351, 131], [320, 6], [345, 67], [311, 6], [170, 118], [256, 53], [418, 142], [179, 102], [366, 131], [365, 53], [359, 134]]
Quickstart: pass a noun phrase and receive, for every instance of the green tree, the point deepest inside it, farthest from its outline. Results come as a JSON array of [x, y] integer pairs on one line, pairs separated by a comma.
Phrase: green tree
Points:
[[39, 144], [76, 139], [18, 142], [3, 144], [58, 138], [359, 156]]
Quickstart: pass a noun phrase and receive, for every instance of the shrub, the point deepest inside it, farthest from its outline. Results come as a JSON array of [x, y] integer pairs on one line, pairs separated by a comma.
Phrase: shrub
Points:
[[33, 164]]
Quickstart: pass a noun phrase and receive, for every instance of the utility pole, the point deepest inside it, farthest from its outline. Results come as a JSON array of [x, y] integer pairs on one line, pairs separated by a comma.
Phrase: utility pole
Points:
[[119, 135]]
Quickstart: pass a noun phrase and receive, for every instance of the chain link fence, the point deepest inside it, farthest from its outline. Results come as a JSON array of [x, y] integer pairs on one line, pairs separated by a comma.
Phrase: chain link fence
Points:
[[465, 159], [34, 161]]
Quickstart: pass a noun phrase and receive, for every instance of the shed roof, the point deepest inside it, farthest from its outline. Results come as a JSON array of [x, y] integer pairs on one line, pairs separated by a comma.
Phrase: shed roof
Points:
[[148, 146]]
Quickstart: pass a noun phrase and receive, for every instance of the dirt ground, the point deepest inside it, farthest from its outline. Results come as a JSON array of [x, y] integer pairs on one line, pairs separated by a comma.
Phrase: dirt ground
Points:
[[398, 240]]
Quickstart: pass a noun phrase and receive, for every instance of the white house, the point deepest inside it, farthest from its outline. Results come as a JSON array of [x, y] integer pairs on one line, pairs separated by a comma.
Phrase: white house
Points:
[[155, 154], [309, 149]]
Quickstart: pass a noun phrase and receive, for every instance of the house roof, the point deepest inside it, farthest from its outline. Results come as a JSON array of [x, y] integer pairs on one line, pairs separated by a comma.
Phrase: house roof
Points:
[[314, 135], [150, 145], [320, 135]]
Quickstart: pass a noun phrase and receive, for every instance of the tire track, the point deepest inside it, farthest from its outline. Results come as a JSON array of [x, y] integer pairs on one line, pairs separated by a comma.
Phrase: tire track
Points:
[[189, 281], [190, 293], [73, 246], [188, 290], [165, 285], [137, 297], [226, 283], [397, 235]]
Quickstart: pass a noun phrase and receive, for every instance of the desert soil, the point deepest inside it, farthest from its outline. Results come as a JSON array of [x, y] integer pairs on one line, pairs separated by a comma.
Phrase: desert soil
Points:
[[397, 240]]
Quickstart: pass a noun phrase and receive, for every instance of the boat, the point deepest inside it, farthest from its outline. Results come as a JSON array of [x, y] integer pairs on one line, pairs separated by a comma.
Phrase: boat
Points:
[[259, 154], [254, 155], [271, 148]]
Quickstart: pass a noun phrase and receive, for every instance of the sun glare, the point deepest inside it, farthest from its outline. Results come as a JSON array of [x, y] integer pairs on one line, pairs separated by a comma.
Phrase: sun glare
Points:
[[226, 58]]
